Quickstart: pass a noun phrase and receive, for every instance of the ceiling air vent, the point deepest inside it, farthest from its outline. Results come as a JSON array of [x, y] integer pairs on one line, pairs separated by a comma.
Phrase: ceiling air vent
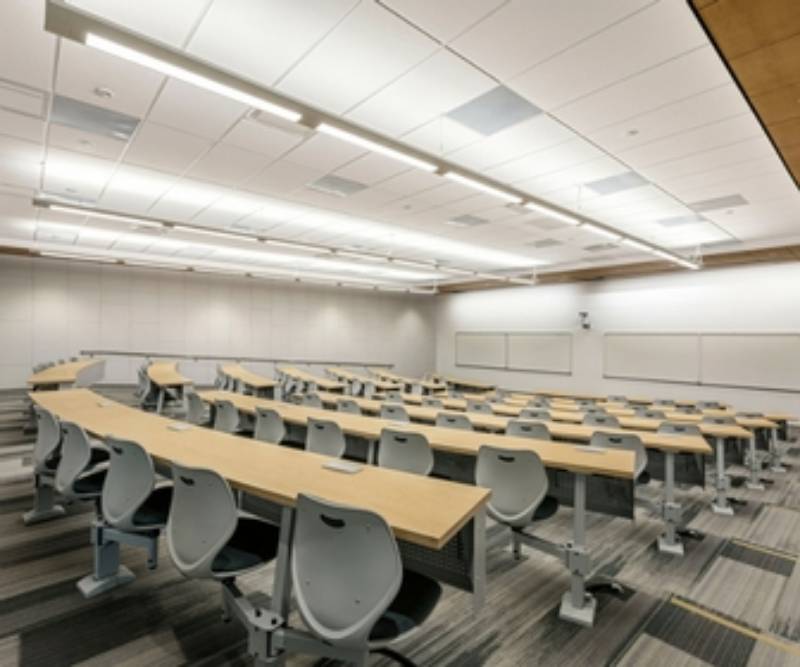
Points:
[[545, 243], [466, 221], [90, 118], [618, 183], [337, 186], [600, 247], [729, 201], [494, 111], [21, 99], [680, 220]]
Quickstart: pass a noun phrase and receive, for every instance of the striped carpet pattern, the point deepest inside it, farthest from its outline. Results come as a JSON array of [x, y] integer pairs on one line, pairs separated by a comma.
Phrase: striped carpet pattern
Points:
[[732, 601]]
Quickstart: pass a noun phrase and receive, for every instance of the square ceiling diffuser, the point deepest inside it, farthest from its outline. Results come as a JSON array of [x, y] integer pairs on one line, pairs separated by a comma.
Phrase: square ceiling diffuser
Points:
[[496, 110]]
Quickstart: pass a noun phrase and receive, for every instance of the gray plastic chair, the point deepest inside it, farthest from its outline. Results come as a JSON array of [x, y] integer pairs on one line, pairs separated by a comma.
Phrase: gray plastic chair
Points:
[[48, 440], [617, 398], [653, 414], [723, 419], [78, 477], [269, 426], [325, 437], [627, 441], [402, 450], [197, 411], [518, 482], [369, 389], [393, 396], [679, 428], [394, 412], [750, 415], [481, 407], [586, 402], [666, 402], [535, 413], [207, 536], [226, 417], [349, 582], [528, 429], [600, 419], [687, 409], [348, 405], [312, 400], [454, 420], [538, 402], [594, 409], [708, 404], [432, 402]]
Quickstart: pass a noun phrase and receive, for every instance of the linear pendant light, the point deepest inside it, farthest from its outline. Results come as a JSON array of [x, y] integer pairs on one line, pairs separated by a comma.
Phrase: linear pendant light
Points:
[[602, 231], [375, 147], [103, 215], [483, 187], [77, 256], [552, 213], [232, 236], [190, 77]]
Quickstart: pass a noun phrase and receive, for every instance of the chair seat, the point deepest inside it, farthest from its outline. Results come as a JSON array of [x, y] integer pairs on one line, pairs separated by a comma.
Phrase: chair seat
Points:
[[547, 508], [154, 511], [253, 543], [90, 484], [413, 603]]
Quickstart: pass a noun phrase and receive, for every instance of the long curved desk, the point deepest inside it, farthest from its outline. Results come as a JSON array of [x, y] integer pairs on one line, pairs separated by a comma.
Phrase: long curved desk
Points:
[[78, 373], [248, 380], [164, 375]]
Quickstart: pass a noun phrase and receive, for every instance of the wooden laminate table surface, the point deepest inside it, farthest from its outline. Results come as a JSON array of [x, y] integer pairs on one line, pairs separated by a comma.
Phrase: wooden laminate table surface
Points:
[[427, 385], [66, 373], [310, 378], [611, 463], [166, 374], [350, 376], [248, 377], [563, 430], [438, 511]]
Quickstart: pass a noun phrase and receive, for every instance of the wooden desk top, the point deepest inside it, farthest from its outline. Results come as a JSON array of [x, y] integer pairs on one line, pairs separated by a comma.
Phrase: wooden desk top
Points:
[[304, 376], [65, 373], [350, 376], [430, 385], [576, 432], [612, 463], [165, 374], [472, 384], [439, 508], [251, 379]]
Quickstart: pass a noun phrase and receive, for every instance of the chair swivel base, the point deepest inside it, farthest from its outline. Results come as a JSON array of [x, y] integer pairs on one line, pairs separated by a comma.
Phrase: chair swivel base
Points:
[[722, 507], [581, 615], [38, 516], [755, 486], [91, 587], [673, 548]]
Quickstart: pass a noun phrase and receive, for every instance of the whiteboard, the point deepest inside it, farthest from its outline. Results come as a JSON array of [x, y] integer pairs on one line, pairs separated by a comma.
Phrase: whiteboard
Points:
[[652, 356], [487, 350], [764, 361], [541, 352]]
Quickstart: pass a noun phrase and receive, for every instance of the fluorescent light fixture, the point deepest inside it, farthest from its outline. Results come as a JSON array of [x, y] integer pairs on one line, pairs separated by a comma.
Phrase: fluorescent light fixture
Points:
[[360, 255], [177, 72], [520, 281], [104, 215], [638, 245], [488, 189], [77, 256], [601, 231], [231, 236], [292, 245], [455, 271], [412, 264], [225, 272], [551, 213], [155, 265], [675, 259], [375, 147]]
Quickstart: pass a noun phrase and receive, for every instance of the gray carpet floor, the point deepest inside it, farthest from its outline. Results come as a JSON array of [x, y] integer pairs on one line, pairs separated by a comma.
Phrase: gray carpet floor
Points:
[[734, 600]]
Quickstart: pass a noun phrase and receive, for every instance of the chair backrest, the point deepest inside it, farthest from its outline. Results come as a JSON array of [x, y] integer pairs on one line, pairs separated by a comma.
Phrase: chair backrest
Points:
[[628, 441], [369, 389], [129, 482], [750, 415], [686, 409], [312, 400], [48, 438], [679, 428], [585, 402], [708, 404], [538, 403], [202, 518], [76, 453], [432, 402], [348, 405], [535, 413], [226, 416], [524, 428], [394, 412], [269, 426], [196, 408], [324, 437], [346, 570], [481, 407], [653, 414], [600, 419], [594, 409], [453, 420], [664, 401], [402, 450], [416, 388], [617, 398], [356, 387], [393, 396], [517, 479], [722, 419]]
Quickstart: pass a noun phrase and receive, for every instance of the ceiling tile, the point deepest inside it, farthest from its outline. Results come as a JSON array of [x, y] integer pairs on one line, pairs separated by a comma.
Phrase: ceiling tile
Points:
[[165, 149], [134, 189], [92, 144], [20, 162], [227, 165], [21, 126], [444, 19], [184, 200], [523, 170], [662, 31], [26, 51], [76, 176], [366, 51], [194, 110], [324, 153], [372, 168], [441, 136], [271, 35], [267, 140], [283, 177]]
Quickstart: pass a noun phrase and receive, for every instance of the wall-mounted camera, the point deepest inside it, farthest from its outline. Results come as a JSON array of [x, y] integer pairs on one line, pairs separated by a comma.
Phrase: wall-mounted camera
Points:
[[584, 319]]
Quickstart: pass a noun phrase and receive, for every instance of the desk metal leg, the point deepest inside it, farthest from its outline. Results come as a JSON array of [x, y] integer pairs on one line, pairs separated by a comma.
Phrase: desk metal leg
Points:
[[669, 542], [754, 481], [774, 456], [160, 401], [282, 582], [720, 504], [479, 560], [577, 605]]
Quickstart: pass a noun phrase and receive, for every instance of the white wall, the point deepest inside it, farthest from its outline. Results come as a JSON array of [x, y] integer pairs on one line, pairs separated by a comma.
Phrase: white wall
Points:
[[756, 298], [52, 309]]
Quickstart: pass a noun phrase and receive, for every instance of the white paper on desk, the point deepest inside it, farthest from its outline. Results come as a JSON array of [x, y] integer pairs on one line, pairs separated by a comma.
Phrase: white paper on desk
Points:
[[103, 404], [342, 466], [594, 450], [179, 427]]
